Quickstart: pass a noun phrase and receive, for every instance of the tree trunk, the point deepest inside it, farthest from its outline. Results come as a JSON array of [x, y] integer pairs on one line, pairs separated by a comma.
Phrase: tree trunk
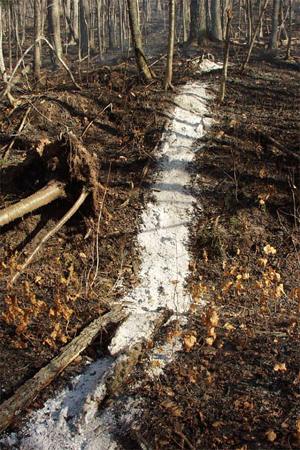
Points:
[[75, 19], [273, 42], [84, 27], [288, 49], [226, 56], [54, 30], [216, 23], [2, 64], [37, 34], [137, 40], [171, 40], [194, 25]]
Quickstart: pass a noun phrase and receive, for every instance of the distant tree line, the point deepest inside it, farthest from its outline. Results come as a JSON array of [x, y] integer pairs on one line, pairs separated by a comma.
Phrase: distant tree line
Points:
[[92, 27]]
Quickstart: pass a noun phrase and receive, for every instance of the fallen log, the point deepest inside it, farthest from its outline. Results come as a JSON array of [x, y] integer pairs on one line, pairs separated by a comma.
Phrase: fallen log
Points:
[[44, 196], [22, 398]]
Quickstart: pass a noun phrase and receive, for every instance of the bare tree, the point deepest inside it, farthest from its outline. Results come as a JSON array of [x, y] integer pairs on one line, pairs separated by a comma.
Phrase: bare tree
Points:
[[171, 40], [84, 10], [137, 40], [273, 42], [216, 24], [37, 35], [2, 64], [54, 30]]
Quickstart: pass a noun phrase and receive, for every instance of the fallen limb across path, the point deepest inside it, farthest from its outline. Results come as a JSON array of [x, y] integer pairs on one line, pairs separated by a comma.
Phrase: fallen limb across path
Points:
[[30, 390]]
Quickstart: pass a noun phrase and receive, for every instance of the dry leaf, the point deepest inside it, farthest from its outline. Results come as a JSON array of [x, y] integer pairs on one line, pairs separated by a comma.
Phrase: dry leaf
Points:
[[279, 291], [217, 424], [269, 250], [262, 173], [298, 425], [210, 341], [271, 435], [262, 262], [214, 319], [189, 341], [280, 367], [227, 286], [229, 327], [174, 409]]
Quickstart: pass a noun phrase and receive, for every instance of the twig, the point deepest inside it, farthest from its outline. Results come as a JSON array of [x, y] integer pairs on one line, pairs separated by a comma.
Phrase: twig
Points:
[[52, 232], [62, 62], [93, 120], [185, 439], [98, 227], [10, 83], [21, 126]]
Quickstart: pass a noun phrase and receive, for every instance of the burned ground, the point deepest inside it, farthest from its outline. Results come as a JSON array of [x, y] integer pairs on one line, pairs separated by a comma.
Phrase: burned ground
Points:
[[236, 385]]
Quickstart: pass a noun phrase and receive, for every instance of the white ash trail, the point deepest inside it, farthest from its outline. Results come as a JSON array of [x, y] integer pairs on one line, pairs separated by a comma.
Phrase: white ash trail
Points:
[[164, 233]]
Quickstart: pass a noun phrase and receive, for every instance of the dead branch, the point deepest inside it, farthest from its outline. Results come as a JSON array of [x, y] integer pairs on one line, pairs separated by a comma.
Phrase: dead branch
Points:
[[10, 83], [31, 389], [44, 196], [19, 130], [52, 232], [61, 61]]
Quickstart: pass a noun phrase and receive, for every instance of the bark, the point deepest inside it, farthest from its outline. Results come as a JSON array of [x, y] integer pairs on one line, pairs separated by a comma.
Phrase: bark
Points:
[[2, 63], [35, 201], [273, 41], [54, 30], [99, 31], [29, 391], [216, 23], [137, 40], [37, 34], [171, 40], [226, 56], [288, 49], [84, 27], [194, 25], [75, 19]]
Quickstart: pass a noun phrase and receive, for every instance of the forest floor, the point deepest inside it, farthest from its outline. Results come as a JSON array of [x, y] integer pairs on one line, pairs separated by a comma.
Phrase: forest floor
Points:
[[237, 384]]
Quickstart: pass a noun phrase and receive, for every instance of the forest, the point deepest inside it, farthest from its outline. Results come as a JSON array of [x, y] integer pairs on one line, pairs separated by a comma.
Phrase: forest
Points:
[[149, 224]]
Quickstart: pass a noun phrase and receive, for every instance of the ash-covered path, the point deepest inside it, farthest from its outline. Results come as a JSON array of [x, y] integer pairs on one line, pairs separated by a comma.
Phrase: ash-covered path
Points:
[[72, 419]]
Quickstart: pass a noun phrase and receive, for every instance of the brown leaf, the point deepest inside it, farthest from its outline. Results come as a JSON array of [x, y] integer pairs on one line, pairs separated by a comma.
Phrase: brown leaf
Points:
[[189, 341], [271, 435], [172, 407], [280, 367]]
